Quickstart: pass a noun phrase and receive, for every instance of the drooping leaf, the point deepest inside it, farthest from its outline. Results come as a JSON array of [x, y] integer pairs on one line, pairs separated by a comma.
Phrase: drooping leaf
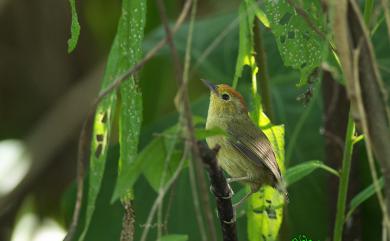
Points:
[[300, 47], [174, 237], [362, 197], [131, 32], [245, 49], [259, 13], [265, 208], [74, 27], [121, 57], [296, 173]]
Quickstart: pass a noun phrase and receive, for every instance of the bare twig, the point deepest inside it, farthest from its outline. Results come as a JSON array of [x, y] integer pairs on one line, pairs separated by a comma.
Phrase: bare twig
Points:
[[116, 83], [186, 120], [234, 24], [127, 233], [221, 191]]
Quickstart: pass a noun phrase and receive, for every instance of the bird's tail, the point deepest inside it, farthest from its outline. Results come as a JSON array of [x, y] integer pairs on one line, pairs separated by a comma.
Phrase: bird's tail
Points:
[[282, 188]]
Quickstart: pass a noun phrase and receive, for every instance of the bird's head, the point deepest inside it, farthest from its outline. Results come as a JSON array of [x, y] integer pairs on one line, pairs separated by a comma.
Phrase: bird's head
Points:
[[225, 101]]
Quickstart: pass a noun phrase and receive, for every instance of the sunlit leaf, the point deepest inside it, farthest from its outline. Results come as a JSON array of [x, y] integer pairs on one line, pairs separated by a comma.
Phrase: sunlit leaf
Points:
[[296, 173], [124, 53], [74, 27], [299, 45], [265, 208]]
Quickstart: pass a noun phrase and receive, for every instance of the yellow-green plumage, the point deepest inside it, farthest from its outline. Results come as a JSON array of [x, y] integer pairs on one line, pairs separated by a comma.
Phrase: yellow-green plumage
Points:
[[245, 150]]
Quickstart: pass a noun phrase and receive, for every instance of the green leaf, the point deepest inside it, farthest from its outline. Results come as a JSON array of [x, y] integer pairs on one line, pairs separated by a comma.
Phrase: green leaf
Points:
[[123, 55], [202, 134], [245, 50], [259, 13], [131, 33], [296, 173], [299, 45], [265, 208], [74, 29], [162, 160], [174, 237], [362, 197]]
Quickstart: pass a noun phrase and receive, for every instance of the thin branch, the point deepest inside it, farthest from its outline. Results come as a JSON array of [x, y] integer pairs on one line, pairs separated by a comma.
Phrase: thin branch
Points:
[[306, 17], [161, 196], [221, 191], [183, 105], [372, 105], [116, 83], [261, 62], [213, 45], [365, 90]]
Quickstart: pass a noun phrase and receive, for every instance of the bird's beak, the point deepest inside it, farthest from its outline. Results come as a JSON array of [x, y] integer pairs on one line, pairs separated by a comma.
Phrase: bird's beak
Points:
[[212, 87]]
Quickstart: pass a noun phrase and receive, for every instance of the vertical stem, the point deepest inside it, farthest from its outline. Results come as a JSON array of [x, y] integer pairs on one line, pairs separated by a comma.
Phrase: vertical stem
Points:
[[262, 76], [344, 178]]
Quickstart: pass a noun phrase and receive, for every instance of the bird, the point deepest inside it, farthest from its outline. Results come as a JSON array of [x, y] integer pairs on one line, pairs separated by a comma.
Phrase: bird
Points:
[[245, 153]]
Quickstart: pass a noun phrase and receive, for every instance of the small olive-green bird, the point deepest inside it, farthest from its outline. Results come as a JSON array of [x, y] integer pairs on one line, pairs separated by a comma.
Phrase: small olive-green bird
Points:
[[245, 154]]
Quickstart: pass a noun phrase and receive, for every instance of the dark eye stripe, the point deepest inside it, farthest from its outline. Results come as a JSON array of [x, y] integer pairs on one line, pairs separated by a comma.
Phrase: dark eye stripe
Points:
[[225, 97]]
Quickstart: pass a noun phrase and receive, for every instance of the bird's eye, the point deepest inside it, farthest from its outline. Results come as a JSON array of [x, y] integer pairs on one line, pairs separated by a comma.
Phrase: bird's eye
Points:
[[225, 97]]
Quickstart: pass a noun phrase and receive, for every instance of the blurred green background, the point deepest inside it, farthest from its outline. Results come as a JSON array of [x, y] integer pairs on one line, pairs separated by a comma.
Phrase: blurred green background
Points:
[[45, 94]]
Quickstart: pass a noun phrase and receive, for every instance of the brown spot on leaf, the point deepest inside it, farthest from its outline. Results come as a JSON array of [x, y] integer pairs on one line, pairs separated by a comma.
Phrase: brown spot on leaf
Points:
[[98, 151], [99, 137], [104, 118]]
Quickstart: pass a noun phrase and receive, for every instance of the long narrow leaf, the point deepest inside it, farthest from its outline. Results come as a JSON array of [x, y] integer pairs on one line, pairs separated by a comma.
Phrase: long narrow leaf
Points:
[[362, 197], [296, 173], [131, 33], [121, 57], [74, 27]]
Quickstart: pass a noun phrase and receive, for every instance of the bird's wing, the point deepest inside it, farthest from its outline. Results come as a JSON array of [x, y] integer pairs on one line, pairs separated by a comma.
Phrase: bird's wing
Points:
[[253, 144]]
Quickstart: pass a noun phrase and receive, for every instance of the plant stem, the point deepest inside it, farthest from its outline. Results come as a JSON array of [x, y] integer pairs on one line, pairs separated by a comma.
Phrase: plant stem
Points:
[[262, 75], [344, 178]]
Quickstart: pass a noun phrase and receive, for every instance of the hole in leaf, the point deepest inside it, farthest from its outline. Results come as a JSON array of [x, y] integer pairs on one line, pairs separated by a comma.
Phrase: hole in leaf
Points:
[[104, 119], [283, 39], [284, 20], [291, 35], [271, 213], [98, 150], [99, 137]]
